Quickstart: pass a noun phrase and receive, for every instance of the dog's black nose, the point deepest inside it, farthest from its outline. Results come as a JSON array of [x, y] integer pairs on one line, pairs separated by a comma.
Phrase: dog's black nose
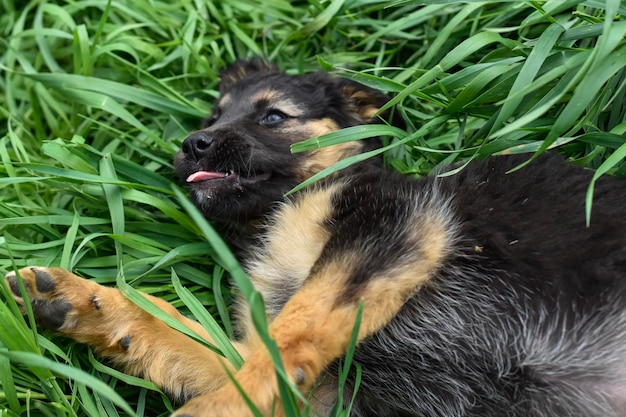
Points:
[[197, 145]]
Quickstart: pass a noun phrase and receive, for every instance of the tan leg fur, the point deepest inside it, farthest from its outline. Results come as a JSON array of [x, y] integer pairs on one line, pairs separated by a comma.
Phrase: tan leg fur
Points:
[[136, 341]]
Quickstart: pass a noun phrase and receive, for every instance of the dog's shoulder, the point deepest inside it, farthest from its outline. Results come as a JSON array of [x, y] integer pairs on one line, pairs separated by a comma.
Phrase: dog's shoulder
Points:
[[367, 221]]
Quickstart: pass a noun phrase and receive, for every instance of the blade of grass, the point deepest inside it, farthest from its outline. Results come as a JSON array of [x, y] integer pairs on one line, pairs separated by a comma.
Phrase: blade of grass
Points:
[[33, 360], [346, 135], [208, 322], [114, 203], [137, 298], [115, 91], [593, 81], [611, 161], [529, 71]]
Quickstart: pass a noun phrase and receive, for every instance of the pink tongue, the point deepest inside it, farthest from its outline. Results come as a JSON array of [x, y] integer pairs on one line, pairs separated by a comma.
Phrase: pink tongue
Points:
[[204, 175]]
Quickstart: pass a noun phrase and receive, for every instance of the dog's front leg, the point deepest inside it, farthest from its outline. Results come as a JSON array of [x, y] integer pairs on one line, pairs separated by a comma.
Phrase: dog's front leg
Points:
[[137, 342], [314, 327]]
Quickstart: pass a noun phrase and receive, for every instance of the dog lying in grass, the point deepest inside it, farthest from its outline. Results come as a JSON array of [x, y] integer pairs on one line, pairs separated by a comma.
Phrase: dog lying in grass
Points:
[[480, 294]]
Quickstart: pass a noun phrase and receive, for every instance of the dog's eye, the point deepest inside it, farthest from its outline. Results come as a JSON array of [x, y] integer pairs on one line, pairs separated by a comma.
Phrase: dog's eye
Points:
[[273, 117]]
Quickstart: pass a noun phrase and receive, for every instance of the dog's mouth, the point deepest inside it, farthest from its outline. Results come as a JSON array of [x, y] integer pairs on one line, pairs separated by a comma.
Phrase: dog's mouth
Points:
[[214, 178]]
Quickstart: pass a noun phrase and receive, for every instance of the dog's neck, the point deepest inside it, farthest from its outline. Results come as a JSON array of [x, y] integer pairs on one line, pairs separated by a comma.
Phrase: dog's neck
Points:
[[242, 236]]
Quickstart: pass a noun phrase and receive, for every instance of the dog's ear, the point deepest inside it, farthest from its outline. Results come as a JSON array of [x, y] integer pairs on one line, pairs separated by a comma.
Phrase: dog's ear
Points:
[[242, 69], [364, 102]]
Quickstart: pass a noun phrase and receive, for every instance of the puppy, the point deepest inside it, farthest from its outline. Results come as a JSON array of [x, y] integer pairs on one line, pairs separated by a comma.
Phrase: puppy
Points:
[[480, 294]]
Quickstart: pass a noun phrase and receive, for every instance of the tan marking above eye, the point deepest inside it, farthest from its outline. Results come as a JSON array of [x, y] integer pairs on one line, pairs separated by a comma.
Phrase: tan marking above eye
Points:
[[273, 100], [267, 94]]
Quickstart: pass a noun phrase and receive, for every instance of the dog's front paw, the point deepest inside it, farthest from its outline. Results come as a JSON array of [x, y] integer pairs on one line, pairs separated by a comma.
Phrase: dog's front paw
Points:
[[57, 296], [256, 379], [225, 402]]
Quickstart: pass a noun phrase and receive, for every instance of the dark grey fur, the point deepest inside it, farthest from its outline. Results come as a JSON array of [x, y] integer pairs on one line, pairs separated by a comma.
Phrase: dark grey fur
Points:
[[527, 318]]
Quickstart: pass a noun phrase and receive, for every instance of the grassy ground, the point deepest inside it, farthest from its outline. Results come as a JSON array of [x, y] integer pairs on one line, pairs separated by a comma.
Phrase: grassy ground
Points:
[[97, 95]]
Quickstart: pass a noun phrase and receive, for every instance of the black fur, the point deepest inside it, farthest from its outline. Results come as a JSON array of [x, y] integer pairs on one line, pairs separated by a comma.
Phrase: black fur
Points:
[[527, 318], [373, 208], [527, 315]]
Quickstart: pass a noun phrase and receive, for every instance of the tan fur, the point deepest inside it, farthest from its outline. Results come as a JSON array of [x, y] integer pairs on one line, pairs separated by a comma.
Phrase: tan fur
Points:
[[320, 127], [311, 330], [326, 157], [290, 250], [277, 102], [156, 351], [322, 158], [369, 113], [432, 237], [295, 242], [282, 104], [297, 131], [264, 95], [225, 100], [361, 104]]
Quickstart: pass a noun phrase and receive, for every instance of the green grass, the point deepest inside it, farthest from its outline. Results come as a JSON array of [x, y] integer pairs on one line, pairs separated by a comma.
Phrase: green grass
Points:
[[97, 95]]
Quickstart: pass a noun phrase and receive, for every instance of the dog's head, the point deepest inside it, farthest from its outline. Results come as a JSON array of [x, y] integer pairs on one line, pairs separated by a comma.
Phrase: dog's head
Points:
[[240, 163]]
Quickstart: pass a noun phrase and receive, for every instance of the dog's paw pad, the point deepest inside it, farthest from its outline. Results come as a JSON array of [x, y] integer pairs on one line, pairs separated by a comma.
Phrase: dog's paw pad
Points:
[[49, 305], [51, 314], [43, 281], [11, 279]]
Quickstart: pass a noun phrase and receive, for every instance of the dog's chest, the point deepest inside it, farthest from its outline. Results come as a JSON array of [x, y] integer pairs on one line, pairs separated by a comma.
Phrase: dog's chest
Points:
[[291, 247]]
